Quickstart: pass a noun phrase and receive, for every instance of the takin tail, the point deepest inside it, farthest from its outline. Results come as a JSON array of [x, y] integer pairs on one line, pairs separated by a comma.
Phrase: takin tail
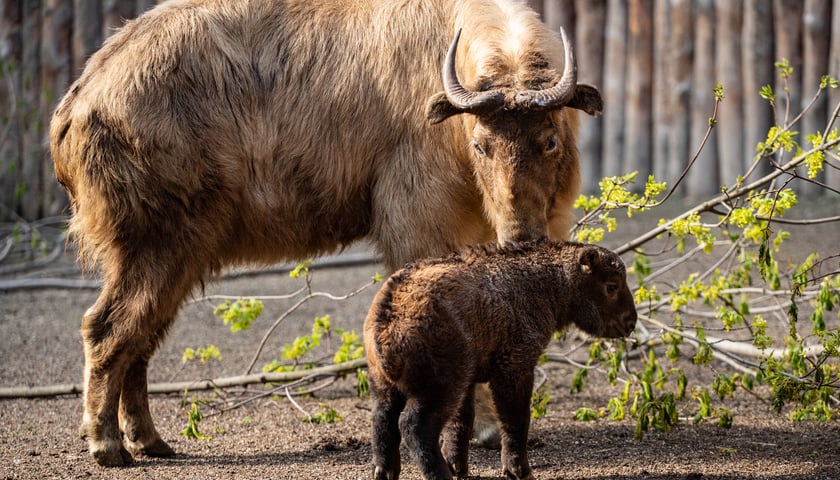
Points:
[[61, 144]]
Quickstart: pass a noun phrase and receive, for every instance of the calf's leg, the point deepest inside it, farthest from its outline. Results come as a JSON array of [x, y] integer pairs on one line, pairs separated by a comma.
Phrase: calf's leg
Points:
[[385, 438], [512, 396], [457, 434], [139, 434], [421, 424]]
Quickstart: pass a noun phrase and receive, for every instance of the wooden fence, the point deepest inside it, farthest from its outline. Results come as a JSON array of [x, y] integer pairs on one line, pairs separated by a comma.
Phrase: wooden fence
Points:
[[656, 62]]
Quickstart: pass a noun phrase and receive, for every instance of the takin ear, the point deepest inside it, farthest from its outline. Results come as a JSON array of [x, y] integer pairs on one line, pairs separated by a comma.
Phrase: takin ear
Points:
[[588, 99], [439, 109], [589, 258]]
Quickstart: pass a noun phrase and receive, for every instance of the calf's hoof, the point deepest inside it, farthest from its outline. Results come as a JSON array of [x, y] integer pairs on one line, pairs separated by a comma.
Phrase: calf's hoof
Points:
[[379, 473], [156, 448]]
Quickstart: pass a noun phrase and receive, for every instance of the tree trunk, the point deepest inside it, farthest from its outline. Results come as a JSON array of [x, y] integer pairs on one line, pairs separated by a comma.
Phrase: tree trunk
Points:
[[638, 128], [703, 179], [730, 132], [757, 56], [679, 85], [589, 48], [615, 45], [788, 15], [537, 5]]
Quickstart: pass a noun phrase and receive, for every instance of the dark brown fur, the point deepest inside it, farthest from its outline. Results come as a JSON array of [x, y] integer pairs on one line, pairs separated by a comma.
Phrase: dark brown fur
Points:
[[436, 328], [208, 133]]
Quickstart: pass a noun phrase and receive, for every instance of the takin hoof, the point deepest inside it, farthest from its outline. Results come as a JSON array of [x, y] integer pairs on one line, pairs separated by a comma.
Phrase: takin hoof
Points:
[[112, 457], [158, 448]]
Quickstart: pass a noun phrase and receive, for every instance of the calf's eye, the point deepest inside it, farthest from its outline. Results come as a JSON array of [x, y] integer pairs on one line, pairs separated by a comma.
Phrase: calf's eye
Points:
[[551, 144], [612, 288]]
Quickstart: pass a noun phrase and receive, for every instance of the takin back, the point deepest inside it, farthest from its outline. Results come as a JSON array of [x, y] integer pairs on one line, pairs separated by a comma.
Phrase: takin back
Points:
[[438, 327]]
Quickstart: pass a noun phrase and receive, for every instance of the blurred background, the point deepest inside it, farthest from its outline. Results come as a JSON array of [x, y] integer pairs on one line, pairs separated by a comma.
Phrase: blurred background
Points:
[[655, 61]]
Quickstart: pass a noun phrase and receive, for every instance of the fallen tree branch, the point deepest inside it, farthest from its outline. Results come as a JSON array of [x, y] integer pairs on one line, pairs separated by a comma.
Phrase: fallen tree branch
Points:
[[195, 385]]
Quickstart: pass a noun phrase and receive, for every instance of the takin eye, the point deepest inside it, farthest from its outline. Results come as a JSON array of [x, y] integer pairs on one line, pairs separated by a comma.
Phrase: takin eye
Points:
[[477, 147], [551, 144], [612, 288]]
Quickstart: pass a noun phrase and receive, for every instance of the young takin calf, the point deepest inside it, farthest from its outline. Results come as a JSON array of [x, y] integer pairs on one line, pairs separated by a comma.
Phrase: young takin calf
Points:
[[438, 327]]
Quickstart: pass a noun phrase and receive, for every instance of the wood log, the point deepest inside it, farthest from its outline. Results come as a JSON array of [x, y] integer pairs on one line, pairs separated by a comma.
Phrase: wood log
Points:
[[730, 135], [757, 56], [589, 47], [681, 58], [703, 179]]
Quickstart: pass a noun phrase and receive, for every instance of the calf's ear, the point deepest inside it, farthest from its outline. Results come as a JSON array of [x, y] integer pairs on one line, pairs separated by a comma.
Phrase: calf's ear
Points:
[[438, 108], [589, 258]]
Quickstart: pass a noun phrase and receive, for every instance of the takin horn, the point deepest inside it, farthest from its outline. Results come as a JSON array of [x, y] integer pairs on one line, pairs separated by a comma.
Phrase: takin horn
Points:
[[561, 93], [461, 98]]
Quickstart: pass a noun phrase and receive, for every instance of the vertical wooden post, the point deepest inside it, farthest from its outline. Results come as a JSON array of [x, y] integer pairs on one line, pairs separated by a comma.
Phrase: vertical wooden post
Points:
[[703, 179], [31, 147], [681, 60], [10, 94], [589, 49], [815, 45], [661, 90], [757, 55], [638, 128], [613, 91], [141, 6], [560, 13], [87, 31], [788, 23], [832, 176], [114, 15], [730, 133], [56, 58]]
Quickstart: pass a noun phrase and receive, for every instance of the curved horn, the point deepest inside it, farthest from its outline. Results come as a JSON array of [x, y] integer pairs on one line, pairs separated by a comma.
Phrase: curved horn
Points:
[[461, 98], [561, 92]]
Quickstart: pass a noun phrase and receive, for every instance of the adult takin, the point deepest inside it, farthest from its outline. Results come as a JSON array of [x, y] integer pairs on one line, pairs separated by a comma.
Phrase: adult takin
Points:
[[208, 133], [438, 327]]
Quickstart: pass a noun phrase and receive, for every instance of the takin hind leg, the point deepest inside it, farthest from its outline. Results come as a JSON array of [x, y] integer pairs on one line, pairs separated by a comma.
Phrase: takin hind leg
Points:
[[120, 332]]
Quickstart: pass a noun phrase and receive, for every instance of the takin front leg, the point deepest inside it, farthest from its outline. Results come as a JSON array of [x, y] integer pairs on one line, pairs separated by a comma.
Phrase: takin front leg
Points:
[[120, 332], [385, 438], [139, 434], [512, 396]]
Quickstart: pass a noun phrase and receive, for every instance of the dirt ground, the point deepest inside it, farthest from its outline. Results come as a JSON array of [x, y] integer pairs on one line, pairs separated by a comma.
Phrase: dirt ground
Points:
[[40, 345]]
